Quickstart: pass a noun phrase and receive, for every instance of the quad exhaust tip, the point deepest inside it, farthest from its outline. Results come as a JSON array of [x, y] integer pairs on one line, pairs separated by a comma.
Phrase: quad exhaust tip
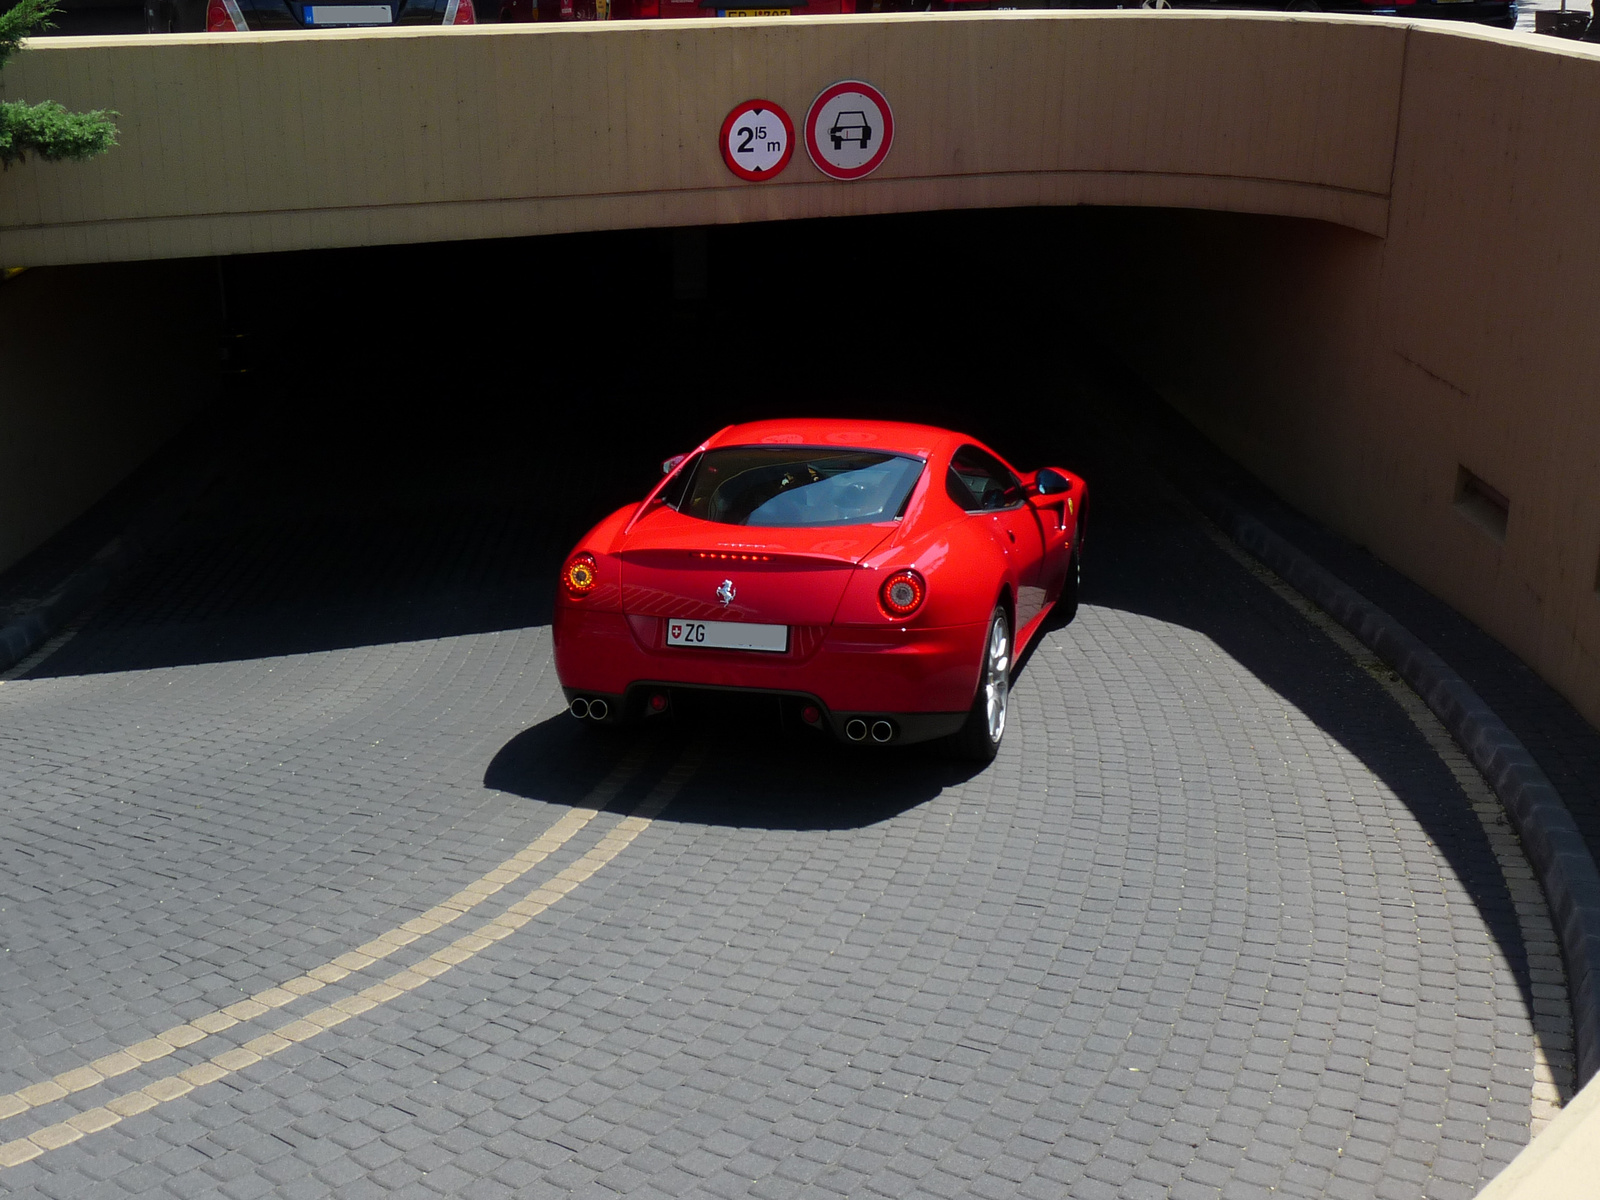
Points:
[[882, 731], [595, 709], [855, 729]]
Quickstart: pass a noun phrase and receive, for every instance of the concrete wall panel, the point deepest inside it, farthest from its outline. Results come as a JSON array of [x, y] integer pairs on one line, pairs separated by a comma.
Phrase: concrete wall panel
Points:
[[277, 141], [102, 365], [1359, 375], [1490, 293]]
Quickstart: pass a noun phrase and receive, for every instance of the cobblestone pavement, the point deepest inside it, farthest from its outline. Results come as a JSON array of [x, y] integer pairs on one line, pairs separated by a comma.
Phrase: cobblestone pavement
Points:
[[1564, 744], [1216, 923]]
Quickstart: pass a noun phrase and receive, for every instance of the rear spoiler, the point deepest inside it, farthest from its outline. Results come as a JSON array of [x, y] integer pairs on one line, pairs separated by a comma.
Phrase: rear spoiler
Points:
[[789, 556]]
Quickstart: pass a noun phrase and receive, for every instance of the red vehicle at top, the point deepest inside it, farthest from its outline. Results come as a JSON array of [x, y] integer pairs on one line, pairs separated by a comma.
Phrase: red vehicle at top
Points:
[[879, 577], [628, 10]]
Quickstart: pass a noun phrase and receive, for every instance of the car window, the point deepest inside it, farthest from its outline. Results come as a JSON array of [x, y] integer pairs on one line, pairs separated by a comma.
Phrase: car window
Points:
[[678, 485], [979, 482], [794, 486]]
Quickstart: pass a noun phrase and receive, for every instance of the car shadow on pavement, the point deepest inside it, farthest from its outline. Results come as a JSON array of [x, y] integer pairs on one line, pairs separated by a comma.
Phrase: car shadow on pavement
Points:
[[752, 772]]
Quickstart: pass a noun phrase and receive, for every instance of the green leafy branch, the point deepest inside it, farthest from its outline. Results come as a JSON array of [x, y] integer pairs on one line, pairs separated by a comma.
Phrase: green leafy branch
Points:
[[48, 129]]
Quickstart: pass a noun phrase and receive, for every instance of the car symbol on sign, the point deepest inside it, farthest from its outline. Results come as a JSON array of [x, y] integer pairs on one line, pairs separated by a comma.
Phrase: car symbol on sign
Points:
[[850, 126]]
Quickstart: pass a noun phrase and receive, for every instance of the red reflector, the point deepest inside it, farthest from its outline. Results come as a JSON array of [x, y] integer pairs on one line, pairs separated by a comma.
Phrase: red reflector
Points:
[[811, 714], [658, 703], [222, 17]]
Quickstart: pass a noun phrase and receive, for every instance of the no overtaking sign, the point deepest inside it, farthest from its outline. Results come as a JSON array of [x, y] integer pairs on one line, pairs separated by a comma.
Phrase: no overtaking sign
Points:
[[849, 130]]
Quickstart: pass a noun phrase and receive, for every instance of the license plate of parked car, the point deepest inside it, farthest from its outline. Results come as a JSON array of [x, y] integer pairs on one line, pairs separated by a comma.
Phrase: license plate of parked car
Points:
[[349, 14], [755, 12], [727, 635]]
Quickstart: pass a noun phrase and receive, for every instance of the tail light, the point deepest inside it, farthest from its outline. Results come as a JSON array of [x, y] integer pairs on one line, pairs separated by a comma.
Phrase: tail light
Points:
[[902, 594], [223, 16], [460, 12], [580, 574]]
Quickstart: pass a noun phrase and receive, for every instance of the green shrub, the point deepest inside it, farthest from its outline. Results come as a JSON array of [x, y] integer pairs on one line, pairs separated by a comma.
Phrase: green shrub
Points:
[[47, 129]]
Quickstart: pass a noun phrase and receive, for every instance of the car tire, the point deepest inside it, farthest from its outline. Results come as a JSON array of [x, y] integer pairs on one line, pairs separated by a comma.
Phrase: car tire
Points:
[[1066, 606], [979, 739]]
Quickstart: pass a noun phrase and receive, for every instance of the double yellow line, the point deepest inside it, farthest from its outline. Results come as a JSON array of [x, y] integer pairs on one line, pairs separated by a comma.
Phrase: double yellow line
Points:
[[303, 1029]]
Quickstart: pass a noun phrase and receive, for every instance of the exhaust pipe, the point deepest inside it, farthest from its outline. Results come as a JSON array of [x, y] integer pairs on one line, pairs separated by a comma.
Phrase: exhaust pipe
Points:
[[856, 729], [598, 709], [579, 708], [882, 731]]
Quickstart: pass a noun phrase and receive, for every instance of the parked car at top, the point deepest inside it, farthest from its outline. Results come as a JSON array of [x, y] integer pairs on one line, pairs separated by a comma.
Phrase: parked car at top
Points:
[[237, 16], [626, 10], [879, 579], [1501, 13]]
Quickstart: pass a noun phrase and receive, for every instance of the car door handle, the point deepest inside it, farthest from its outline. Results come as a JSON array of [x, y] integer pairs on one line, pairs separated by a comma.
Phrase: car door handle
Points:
[[1011, 533]]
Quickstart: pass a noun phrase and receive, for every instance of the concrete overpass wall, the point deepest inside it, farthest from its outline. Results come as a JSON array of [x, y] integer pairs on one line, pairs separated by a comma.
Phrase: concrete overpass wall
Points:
[[1427, 329], [285, 141], [1373, 380]]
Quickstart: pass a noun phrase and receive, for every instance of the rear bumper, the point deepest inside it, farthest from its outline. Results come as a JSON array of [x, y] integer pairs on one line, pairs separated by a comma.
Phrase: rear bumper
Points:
[[846, 669], [267, 15]]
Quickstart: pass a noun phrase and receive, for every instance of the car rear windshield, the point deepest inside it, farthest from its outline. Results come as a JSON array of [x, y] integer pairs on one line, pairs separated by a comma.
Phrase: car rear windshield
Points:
[[796, 486]]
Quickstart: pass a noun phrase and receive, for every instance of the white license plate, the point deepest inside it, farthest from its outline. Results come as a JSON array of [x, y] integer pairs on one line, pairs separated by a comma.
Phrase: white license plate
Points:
[[349, 14], [727, 635], [755, 12]]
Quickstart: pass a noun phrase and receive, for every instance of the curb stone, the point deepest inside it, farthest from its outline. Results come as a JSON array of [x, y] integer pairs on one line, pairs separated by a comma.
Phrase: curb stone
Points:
[[1551, 838]]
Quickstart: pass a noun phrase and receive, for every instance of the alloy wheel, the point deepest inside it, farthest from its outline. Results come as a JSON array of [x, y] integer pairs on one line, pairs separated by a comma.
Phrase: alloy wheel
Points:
[[997, 678]]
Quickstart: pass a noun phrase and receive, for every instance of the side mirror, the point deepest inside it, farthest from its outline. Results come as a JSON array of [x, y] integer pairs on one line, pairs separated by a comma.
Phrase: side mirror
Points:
[[1050, 481], [672, 464]]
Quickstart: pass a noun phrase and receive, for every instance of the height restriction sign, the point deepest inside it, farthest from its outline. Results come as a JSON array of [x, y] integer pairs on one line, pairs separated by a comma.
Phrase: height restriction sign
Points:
[[849, 130], [757, 140]]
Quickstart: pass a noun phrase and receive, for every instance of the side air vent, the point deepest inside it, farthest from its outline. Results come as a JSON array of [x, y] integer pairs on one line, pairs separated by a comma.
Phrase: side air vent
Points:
[[1481, 504]]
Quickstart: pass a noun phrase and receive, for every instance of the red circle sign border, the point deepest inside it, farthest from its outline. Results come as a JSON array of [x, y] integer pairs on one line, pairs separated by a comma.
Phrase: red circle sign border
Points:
[[873, 163], [788, 145]]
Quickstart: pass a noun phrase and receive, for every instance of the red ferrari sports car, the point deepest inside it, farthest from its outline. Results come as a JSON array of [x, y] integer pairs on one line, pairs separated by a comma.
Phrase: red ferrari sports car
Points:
[[880, 578]]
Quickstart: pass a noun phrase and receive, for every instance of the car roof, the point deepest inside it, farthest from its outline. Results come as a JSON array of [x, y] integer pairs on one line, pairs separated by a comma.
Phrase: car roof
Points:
[[898, 436]]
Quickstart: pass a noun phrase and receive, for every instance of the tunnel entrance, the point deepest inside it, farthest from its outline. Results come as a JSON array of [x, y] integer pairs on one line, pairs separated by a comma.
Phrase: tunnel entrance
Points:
[[928, 316], [533, 386]]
